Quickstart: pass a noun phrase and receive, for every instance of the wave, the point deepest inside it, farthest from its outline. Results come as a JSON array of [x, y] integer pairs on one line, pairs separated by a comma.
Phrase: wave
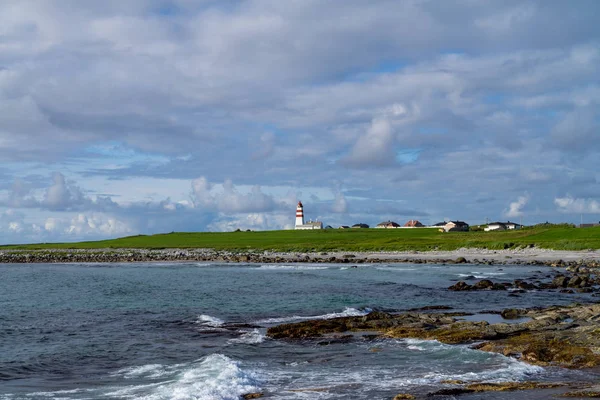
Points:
[[348, 312], [395, 269], [211, 321], [293, 267], [252, 337], [216, 377], [506, 368]]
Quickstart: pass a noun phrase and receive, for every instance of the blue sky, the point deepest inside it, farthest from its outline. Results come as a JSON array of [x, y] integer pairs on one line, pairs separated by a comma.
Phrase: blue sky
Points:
[[120, 118]]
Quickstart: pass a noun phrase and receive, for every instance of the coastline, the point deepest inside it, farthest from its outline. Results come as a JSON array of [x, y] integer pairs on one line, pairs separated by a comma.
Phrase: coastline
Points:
[[527, 256]]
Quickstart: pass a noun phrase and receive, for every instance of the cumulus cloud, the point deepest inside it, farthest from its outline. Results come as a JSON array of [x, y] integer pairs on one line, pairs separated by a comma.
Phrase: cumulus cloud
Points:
[[373, 149], [229, 199], [253, 221], [570, 204], [515, 209], [61, 196], [340, 204]]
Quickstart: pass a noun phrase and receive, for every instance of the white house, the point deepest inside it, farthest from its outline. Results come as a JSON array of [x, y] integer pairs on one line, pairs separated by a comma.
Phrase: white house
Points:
[[502, 226], [454, 226]]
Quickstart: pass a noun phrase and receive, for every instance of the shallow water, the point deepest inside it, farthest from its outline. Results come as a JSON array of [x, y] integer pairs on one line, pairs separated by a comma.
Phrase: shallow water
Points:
[[196, 331]]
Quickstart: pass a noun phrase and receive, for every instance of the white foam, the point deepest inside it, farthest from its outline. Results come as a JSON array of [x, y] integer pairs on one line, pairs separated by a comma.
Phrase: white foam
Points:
[[152, 371], [348, 312], [208, 320], [507, 369], [292, 267], [216, 377], [395, 269], [252, 337]]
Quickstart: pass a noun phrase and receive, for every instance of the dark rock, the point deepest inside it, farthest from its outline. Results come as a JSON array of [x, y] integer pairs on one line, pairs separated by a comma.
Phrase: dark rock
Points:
[[511, 313], [460, 286], [376, 315], [450, 392], [461, 260], [575, 281], [249, 396], [524, 285], [560, 281], [483, 284]]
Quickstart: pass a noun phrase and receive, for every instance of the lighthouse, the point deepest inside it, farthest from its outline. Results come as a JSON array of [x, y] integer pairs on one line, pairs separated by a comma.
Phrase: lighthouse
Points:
[[300, 224], [299, 214]]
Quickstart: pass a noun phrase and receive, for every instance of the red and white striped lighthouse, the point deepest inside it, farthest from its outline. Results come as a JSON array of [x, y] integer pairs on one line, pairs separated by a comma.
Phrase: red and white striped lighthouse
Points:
[[299, 214]]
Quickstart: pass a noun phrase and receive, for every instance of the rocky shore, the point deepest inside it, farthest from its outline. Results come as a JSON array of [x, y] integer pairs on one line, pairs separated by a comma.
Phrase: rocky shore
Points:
[[556, 336], [527, 256]]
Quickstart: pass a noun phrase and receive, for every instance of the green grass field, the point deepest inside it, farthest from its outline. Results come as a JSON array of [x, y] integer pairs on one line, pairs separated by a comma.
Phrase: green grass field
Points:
[[558, 238]]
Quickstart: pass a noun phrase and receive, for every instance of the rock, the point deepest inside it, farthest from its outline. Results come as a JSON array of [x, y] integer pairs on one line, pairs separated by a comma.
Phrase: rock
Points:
[[460, 260], [404, 396], [483, 284], [376, 315], [510, 386], [252, 396], [450, 392], [524, 285], [511, 313], [575, 281], [460, 286], [560, 281]]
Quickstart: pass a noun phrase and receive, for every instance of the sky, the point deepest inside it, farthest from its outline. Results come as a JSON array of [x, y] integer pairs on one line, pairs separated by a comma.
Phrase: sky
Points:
[[144, 116]]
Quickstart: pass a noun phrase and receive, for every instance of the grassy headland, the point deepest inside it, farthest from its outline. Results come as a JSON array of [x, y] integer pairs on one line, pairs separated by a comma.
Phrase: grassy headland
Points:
[[368, 240]]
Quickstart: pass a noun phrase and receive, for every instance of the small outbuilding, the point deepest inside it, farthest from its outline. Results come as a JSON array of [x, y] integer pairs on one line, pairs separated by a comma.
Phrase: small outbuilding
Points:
[[360, 225]]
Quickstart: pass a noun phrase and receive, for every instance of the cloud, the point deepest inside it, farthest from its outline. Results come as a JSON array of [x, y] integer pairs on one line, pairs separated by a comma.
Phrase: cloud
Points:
[[515, 209], [569, 204], [230, 200], [373, 149], [127, 99], [339, 205], [61, 196]]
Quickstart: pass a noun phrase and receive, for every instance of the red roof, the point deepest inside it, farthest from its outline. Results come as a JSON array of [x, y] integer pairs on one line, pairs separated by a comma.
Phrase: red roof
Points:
[[413, 223]]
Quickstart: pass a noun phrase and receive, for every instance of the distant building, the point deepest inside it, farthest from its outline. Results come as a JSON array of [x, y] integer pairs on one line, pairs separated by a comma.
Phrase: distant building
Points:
[[456, 226], [440, 224], [413, 223], [502, 226], [300, 224], [361, 225], [344, 227], [589, 225], [387, 225]]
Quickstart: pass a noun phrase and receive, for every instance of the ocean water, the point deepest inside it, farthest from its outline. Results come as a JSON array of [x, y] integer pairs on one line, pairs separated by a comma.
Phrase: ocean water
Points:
[[197, 331]]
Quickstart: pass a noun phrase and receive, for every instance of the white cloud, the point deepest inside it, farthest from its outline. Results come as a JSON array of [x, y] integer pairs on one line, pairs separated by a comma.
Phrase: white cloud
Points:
[[515, 208], [573, 205], [340, 205], [374, 148], [230, 200]]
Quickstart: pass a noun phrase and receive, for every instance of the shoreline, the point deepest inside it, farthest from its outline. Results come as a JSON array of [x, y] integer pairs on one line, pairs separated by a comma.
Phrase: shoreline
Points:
[[526, 256]]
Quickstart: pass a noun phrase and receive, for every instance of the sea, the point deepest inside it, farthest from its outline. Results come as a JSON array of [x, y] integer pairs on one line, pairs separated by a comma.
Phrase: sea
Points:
[[159, 331]]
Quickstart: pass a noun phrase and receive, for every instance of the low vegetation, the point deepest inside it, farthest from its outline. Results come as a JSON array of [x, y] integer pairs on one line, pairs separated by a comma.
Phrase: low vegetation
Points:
[[419, 239]]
